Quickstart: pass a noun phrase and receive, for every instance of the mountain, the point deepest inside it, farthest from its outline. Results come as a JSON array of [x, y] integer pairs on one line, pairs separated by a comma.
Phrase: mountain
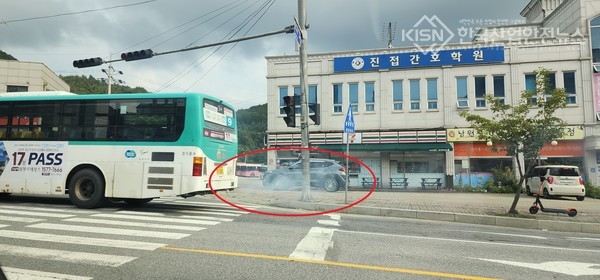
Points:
[[87, 85], [6, 56], [252, 127]]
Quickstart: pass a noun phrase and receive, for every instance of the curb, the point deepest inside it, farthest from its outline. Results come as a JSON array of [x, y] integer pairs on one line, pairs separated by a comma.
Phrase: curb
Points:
[[593, 228]]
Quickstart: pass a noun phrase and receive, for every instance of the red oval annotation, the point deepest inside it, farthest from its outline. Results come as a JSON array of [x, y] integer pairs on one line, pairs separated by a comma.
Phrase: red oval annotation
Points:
[[294, 214]]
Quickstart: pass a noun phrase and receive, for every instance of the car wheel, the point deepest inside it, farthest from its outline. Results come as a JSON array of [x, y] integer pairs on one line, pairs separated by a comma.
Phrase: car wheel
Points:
[[580, 198], [546, 193], [331, 184], [86, 189], [528, 191]]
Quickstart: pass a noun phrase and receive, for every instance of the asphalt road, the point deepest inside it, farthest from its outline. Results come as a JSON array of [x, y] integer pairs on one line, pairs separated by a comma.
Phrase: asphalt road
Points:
[[200, 238]]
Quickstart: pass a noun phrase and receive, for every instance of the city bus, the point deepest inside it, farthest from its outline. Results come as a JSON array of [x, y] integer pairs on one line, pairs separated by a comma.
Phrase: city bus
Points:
[[250, 169], [130, 147]]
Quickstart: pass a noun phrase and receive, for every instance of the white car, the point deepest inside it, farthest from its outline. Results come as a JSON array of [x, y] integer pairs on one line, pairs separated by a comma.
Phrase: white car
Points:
[[559, 180]]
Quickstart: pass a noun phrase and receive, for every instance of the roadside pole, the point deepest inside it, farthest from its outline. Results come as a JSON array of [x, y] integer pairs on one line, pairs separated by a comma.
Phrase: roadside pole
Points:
[[348, 129], [304, 104]]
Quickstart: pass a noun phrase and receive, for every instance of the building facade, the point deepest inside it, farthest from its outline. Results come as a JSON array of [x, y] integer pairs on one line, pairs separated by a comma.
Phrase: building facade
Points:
[[405, 102], [16, 76]]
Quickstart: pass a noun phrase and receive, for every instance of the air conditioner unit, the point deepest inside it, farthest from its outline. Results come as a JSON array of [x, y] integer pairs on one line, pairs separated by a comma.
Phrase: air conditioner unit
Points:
[[462, 104]]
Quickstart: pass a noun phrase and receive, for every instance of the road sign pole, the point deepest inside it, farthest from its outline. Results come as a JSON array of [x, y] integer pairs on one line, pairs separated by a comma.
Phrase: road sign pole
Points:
[[348, 129]]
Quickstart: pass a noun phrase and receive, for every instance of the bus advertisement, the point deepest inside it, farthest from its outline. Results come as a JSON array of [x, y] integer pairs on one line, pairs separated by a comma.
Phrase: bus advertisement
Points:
[[131, 147]]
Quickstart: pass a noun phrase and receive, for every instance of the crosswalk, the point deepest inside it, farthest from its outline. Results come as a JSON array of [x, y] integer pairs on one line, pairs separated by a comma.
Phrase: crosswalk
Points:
[[108, 237]]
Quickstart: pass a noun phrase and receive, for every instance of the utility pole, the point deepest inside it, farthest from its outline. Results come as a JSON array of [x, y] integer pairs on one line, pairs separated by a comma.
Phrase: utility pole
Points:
[[304, 102], [110, 72]]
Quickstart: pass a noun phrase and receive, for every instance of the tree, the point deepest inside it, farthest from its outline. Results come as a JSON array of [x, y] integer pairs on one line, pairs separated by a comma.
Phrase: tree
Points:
[[252, 127], [522, 129]]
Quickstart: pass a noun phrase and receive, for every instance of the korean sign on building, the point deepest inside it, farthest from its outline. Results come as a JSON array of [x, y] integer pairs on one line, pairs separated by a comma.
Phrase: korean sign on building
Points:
[[419, 59], [572, 132]]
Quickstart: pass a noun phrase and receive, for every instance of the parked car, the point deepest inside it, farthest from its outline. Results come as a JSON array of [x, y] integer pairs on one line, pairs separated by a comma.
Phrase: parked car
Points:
[[559, 180], [325, 173]]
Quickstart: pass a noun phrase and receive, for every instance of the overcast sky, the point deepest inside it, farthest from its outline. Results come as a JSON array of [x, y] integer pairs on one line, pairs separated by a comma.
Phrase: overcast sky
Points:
[[56, 32]]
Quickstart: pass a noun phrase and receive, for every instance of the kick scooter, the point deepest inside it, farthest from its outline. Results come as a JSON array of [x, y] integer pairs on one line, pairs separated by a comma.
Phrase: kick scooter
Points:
[[537, 205]]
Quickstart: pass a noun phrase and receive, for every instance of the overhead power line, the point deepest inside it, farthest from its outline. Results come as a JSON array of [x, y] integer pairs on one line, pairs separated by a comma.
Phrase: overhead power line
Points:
[[75, 13]]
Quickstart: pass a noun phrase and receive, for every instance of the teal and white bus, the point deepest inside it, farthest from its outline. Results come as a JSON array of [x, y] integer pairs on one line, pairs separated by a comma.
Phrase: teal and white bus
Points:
[[132, 147]]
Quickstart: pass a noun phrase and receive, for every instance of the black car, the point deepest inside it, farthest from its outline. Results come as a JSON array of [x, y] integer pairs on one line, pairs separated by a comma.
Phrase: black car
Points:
[[326, 173]]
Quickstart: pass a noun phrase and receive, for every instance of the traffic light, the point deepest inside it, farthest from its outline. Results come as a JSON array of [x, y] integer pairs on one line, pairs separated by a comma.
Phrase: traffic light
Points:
[[88, 62], [290, 111], [143, 54], [316, 117]]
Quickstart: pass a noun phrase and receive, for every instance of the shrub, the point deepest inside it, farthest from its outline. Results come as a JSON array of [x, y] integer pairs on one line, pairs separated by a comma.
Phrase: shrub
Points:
[[591, 190]]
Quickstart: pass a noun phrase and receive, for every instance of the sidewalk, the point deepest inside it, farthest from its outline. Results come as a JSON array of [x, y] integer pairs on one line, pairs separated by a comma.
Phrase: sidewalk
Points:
[[443, 205]]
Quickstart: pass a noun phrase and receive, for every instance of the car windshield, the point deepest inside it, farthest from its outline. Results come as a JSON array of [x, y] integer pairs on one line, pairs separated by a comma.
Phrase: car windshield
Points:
[[566, 171]]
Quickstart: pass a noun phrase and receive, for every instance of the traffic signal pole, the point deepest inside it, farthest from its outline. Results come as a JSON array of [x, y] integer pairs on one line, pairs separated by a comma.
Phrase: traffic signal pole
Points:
[[304, 103], [143, 54]]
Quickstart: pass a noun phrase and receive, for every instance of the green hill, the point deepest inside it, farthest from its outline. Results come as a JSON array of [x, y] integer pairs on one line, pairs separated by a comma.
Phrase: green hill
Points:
[[252, 127]]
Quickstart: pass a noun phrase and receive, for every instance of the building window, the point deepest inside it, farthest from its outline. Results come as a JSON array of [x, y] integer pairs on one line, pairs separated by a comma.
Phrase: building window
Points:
[[551, 84], [369, 96], [432, 94], [499, 88], [338, 98], [530, 87], [595, 34], [312, 94], [415, 94], [397, 95], [283, 92], [480, 91], [353, 89], [569, 80], [16, 88], [462, 96]]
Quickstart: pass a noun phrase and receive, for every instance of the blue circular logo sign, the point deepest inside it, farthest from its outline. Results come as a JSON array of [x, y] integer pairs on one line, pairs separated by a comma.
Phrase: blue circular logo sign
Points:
[[130, 154]]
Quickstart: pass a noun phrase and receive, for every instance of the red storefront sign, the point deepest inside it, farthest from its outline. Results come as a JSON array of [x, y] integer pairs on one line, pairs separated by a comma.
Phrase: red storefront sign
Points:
[[562, 148]]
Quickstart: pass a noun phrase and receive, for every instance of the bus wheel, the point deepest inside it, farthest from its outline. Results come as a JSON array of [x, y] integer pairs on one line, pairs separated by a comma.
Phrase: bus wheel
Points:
[[86, 189], [137, 201]]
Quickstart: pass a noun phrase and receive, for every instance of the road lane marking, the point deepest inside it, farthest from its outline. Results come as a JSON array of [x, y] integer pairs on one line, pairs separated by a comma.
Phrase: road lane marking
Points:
[[335, 217], [140, 213], [341, 264], [133, 224], [197, 203], [564, 267], [158, 219], [471, 241], [115, 231], [17, 273], [314, 245], [505, 234], [20, 219], [65, 256], [37, 214], [218, 213], [47, 209], [102, 242], [207, 218], [329, 223]]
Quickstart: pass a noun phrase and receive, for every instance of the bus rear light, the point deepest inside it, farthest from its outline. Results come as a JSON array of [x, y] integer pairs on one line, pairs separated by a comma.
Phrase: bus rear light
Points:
[[197, 168], [550, 180]]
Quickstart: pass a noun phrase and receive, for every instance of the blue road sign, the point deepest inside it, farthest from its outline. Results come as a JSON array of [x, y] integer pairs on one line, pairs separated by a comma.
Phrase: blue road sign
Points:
[[349, 121]]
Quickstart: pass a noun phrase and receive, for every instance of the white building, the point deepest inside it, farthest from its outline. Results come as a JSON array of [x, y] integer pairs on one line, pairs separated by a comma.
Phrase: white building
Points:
[[18, 76], [406, 103]]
